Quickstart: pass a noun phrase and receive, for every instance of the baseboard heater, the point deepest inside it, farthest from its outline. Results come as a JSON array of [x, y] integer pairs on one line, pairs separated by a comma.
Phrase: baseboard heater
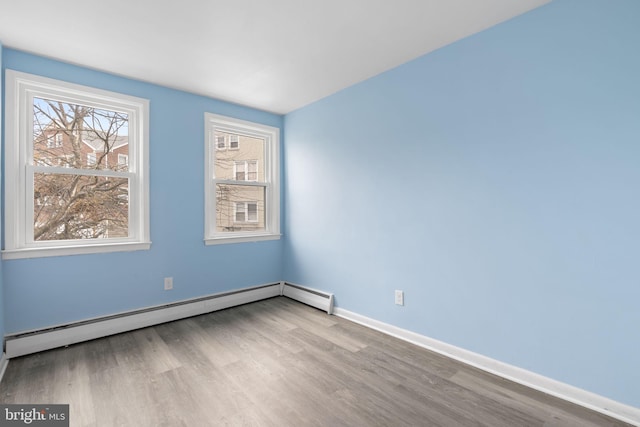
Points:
[[309, 296], [62, 335]]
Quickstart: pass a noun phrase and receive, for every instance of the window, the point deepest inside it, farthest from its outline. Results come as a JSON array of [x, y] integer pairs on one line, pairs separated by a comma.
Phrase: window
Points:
[[54, 140], [220, 142], [252, 170], [67, 198], [123, 160], [252, 212], [246, 212], [246, 170], [241, 209], [242, 189], [44, 161], [66, 160], [240, 168]]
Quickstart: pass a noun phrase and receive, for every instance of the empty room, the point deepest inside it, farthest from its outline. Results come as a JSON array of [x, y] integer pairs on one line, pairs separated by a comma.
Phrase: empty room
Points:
[[320, 213]]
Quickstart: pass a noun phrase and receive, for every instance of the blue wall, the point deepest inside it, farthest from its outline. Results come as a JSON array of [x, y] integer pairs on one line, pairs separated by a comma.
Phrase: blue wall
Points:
[[49, 291], [496, 182], [1, 200]]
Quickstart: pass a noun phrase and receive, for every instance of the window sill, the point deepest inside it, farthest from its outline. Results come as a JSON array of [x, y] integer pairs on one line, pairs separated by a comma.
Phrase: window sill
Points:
[[74, 250], [240, 239]]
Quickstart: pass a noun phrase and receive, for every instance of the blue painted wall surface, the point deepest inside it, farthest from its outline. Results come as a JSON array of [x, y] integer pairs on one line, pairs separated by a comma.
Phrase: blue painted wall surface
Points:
[[1, 200], [50, 291], [496, 182]]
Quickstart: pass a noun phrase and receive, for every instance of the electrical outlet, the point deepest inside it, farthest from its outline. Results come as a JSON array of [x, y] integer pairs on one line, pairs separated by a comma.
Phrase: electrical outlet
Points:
[[399, 297], [168, 283]]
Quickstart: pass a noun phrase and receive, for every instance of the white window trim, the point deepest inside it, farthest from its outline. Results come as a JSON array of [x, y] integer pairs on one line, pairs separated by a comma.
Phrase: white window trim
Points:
[[271, 136], [20, 89]]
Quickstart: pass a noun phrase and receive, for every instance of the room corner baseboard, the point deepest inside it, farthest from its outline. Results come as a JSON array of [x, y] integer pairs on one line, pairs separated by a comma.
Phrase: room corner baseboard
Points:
[[313, 297], [530, 379], [4, 362], [58, 336]]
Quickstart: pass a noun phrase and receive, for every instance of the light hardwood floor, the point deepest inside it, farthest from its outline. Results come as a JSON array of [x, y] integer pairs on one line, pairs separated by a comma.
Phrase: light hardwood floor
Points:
[[274, 363]]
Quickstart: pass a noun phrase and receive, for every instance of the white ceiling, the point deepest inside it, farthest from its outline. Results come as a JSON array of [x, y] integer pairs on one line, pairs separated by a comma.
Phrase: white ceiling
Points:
[[275, 55]]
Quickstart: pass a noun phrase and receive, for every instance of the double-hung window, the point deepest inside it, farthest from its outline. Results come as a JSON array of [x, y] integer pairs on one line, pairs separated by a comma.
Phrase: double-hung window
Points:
[[234, 142], [70, 193], [242, 189], [246, 170], [246, 212]]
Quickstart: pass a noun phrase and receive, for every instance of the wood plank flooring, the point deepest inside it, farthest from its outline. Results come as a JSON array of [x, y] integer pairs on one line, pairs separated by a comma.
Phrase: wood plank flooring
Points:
[[274, 363]]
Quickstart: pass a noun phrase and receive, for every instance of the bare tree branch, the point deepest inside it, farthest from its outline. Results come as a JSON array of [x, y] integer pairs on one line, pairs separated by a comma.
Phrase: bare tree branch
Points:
[[71, 206]]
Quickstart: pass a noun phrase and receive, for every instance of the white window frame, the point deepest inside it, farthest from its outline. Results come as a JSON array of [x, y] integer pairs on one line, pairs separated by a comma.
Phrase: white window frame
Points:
[[271, 184], [20, 89]]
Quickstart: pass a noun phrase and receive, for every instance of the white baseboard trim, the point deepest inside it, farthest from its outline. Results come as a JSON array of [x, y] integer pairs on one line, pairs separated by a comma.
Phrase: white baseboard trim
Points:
[[34, 341], [620, 411], [313, 297], [4, 362]]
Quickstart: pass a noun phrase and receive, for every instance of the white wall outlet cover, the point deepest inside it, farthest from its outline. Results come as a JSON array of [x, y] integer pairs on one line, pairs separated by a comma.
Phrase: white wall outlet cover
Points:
[[399, 297]]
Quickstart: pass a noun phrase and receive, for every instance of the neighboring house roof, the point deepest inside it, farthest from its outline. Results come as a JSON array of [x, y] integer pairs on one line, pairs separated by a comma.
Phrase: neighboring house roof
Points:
[[92, 139], [97, 144]]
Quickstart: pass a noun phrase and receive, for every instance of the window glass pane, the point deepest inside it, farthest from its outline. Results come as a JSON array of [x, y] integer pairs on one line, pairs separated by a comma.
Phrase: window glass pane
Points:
[[80, 207], [123, 162], [252, 173], [240, 174], [240, 212], [240, 208], [69, 133], [252, 211], [249, 151]]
